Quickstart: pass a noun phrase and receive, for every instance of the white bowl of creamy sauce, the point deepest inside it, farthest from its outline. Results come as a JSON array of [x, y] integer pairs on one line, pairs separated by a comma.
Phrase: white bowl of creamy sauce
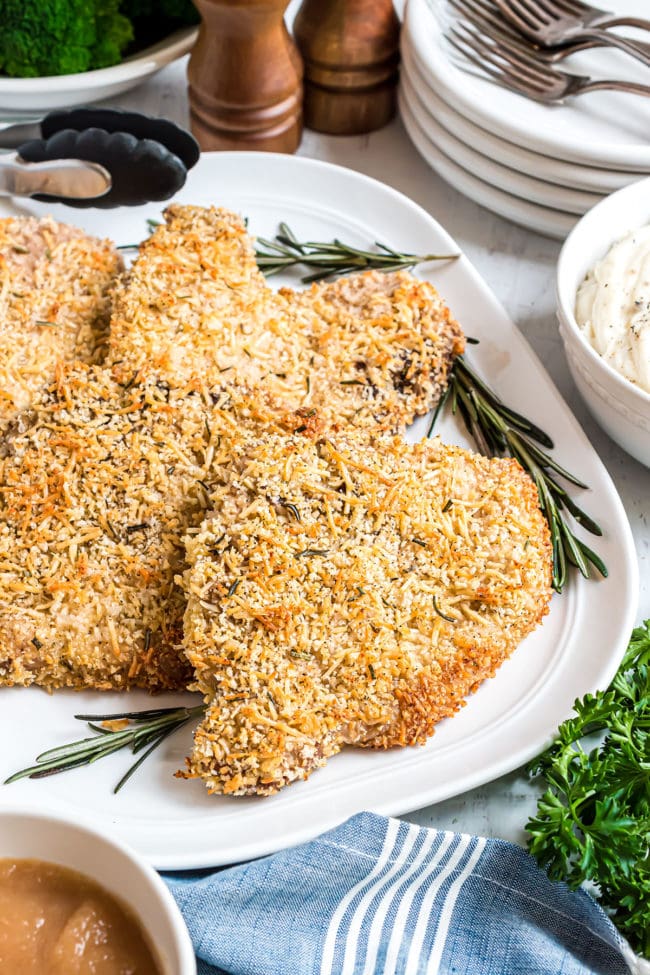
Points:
[[613, 307], [75, 902], [603, 309]]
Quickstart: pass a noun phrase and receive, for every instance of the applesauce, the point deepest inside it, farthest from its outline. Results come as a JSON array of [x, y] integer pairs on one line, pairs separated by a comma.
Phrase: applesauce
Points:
[[55, 921]]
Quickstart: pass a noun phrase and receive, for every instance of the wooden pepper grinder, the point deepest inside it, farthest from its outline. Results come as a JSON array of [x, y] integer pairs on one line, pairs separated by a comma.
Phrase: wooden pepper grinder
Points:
[[351, 54], [245, 77]]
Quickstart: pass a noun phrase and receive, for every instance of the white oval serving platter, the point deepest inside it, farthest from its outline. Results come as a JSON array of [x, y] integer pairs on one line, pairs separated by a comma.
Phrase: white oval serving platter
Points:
[[174, 823]]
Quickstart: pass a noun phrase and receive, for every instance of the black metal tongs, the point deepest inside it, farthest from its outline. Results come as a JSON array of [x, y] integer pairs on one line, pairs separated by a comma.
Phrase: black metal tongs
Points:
[[96, 157]]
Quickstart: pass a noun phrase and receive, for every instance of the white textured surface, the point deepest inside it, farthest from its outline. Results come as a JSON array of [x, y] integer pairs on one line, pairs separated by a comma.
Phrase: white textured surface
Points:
[[519, 266]]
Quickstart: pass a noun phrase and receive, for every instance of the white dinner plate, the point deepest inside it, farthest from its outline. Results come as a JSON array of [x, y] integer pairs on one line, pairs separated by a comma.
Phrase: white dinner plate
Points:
[[174, 823], [581, 177], [502, 177], [551, 223], [603, 128], [24, 95]]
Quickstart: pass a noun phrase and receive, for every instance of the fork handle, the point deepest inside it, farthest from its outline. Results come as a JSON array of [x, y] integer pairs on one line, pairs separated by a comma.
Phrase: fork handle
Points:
[[607, 21], [613, 40], [631, 87], [558, 54]]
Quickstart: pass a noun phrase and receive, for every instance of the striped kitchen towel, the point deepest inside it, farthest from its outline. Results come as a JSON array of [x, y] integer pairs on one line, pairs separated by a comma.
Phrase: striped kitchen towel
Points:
[[377, 895]]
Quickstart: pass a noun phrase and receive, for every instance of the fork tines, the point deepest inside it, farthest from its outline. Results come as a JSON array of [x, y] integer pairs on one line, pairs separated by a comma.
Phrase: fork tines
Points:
[[506, 61], [483, 15]]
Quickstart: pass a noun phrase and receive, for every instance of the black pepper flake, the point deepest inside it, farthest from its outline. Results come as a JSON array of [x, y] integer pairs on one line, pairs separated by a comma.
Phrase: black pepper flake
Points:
[[37, 643], [130, 529], [447, 505], [234, 587]]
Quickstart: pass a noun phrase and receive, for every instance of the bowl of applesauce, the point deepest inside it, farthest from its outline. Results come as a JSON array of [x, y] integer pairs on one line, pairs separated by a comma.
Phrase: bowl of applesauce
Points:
[[75, 902]]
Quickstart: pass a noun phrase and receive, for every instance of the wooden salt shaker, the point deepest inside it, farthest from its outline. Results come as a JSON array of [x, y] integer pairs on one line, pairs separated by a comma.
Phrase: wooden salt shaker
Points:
[[351, 54], [245, 77]]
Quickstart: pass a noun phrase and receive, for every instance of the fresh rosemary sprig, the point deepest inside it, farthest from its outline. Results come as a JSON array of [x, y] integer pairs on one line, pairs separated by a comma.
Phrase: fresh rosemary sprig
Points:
[[144, 730], [331, 258], [498, 430]]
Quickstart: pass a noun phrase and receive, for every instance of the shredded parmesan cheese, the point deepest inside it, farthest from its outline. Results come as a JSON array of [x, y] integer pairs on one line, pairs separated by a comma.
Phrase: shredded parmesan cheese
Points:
[[352, 623]]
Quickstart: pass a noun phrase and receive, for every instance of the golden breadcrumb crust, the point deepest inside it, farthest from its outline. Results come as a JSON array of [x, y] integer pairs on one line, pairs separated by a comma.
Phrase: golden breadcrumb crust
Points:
[[54, 303], [373, 349], [95, 497], [99, 483], [341, 593], [193, 297]]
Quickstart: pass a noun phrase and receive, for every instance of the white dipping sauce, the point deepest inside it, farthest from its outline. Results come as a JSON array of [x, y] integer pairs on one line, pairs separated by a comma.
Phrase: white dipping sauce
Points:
[[613, 307]]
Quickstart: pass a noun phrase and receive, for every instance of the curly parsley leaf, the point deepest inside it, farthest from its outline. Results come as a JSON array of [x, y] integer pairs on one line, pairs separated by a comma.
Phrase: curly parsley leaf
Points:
[[593, 818]]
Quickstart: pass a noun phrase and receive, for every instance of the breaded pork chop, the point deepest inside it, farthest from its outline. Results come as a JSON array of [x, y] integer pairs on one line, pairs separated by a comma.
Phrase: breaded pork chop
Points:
[[374, 349], [54, 303], [96, 492], [98, 486], [345, 595]]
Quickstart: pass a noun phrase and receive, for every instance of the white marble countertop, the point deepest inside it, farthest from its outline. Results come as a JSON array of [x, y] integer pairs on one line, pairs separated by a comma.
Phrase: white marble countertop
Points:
[[519, 266]]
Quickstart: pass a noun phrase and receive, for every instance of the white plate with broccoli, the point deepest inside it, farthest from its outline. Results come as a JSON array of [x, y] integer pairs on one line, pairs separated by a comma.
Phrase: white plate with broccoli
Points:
[[86, 50]]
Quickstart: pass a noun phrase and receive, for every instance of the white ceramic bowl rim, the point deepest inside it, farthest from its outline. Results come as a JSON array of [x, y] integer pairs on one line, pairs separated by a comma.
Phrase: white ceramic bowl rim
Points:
[[588, 227], [171, 47], [169, 909]]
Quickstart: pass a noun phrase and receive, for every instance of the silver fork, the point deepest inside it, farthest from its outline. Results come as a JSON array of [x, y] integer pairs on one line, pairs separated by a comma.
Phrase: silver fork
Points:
[[591, 16], [550, 23], [485, 15], [522, 72]]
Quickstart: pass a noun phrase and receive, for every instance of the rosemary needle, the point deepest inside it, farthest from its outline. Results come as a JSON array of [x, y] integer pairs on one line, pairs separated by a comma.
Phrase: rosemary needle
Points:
[[330, 259], [497, 430], [144, 730]]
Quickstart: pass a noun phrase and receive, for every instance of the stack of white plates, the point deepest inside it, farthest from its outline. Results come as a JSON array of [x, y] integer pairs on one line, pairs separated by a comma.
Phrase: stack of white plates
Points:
[[541, 166]]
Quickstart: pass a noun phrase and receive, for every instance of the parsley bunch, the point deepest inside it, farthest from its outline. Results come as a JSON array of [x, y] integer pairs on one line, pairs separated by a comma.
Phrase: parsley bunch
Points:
[[593, 820]]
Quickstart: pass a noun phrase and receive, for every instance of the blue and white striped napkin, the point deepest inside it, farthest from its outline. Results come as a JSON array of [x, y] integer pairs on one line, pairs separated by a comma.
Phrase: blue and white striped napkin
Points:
[[377, 895]]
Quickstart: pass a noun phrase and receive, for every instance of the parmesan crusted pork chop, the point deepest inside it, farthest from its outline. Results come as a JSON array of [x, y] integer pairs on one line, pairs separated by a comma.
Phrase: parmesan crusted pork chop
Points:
[[98, 486], [374, 349], [343, 595], [54, 303]]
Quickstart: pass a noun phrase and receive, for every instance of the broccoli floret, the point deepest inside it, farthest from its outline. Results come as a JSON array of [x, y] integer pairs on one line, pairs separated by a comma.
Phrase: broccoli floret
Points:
[[52, 37], [113, 33]]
